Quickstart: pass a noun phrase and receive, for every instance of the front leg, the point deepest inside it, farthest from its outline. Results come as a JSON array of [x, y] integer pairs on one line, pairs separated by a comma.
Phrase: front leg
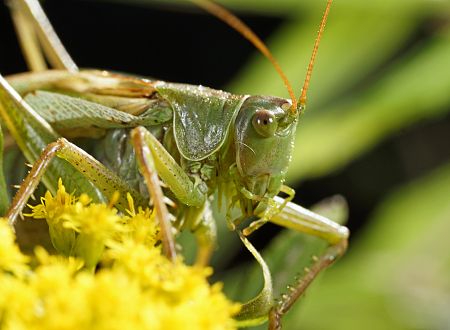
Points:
[[270, 208], [154, 160], [186, 191]]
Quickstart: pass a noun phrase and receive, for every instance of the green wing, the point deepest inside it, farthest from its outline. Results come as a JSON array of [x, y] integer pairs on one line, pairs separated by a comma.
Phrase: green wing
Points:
[[202, 117], [65, 112]]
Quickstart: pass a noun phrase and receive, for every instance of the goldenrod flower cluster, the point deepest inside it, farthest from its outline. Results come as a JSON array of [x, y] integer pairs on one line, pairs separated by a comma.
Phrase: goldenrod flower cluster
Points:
[[108, 275]]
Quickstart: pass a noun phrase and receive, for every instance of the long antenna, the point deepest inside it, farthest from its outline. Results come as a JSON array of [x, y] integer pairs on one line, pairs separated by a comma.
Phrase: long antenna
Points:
[[302, 99], [229, 18]]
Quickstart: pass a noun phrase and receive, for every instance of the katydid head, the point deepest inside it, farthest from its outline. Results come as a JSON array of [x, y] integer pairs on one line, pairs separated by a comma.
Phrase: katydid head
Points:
[[265, 126], [264, 140]]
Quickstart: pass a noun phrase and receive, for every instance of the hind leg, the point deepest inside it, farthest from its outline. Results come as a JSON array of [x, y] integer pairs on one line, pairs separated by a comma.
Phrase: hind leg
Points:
[[37, 37]]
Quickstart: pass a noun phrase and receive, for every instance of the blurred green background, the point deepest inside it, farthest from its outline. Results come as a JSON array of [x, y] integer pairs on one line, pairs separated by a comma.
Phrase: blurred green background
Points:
[[376, 130]]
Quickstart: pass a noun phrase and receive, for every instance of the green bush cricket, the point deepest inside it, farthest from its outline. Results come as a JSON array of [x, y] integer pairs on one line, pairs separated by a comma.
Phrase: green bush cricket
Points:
[[197, 140]]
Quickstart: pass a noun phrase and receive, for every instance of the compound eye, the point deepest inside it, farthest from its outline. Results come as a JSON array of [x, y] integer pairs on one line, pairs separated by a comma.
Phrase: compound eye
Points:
[[264, 123]]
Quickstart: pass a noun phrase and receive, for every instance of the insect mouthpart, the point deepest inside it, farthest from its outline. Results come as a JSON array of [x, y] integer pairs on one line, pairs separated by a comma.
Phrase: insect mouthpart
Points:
[[256, 191], [258, 185]]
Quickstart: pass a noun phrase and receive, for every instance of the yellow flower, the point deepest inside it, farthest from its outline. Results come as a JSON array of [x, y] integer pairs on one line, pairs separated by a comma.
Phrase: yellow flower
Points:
[[52, 209], [178, 292], [17, 299], [11, 259], [136, 287], [78, 227], [141, 225], [95, 225], [59, 295]]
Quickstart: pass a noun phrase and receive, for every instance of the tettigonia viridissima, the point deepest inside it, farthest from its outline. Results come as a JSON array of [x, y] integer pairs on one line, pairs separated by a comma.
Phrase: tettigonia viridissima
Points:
[[197, 140]]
